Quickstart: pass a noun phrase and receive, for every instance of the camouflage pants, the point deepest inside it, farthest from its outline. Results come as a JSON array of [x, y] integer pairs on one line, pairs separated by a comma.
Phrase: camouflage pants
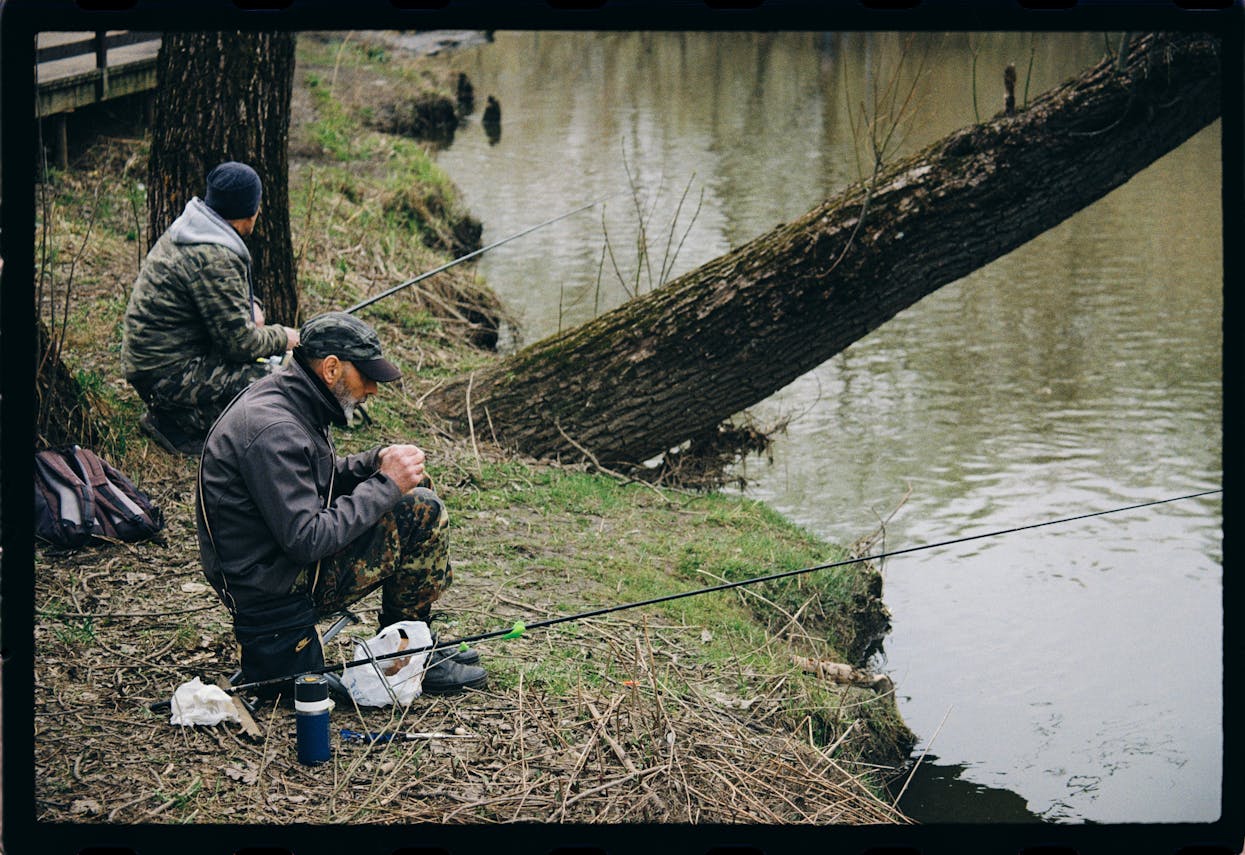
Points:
[[406, 552], [191, 398]]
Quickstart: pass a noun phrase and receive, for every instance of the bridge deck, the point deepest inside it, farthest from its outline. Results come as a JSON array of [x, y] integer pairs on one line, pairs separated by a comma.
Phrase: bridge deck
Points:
[[77, 69]]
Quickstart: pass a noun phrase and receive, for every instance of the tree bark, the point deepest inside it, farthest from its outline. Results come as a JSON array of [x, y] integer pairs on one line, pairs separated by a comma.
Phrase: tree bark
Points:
[[680, 360], [65, 412], [226, 96]]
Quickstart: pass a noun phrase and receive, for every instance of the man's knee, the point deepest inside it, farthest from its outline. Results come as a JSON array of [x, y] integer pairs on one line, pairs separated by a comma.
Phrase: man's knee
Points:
[[422, 515]]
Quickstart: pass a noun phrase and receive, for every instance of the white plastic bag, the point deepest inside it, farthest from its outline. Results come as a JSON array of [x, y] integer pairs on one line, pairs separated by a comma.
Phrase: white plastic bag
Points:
[[198, 703], [403, 676]]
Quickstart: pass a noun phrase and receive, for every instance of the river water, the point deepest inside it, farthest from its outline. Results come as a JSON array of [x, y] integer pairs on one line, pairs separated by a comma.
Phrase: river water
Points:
[[1067, 674]]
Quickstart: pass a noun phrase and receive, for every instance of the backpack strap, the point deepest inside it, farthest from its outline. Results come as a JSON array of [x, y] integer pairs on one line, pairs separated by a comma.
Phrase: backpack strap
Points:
[[93, 474], [122, 511], [62, 481]]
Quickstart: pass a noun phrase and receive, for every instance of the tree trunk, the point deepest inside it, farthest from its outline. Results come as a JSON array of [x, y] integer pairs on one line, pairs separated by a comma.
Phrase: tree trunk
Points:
[[680, 360], [226, 96], [65, 412]]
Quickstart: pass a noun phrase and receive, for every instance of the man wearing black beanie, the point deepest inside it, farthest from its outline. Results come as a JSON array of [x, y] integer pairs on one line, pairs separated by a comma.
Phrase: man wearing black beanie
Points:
[[194, 331]]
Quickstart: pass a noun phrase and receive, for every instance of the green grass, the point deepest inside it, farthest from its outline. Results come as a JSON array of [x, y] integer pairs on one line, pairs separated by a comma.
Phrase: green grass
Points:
[[339, 52], [334, 129], [416, 166], [407, 317], [602, 543], [76, 634]]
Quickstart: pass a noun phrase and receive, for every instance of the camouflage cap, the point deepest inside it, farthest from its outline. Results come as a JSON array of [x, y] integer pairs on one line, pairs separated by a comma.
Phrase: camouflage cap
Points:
[[348, 338]]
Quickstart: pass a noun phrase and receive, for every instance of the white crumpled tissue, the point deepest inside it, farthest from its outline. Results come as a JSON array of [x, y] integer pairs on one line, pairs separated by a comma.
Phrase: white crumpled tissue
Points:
[[198, 703]]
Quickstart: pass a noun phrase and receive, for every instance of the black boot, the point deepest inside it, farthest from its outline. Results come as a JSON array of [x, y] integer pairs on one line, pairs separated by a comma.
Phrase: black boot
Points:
[[388, 620], [447, 677], [170, 436]]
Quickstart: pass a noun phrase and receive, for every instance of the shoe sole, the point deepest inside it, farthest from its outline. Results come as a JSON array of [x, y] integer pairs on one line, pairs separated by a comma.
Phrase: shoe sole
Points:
[[455, 689]]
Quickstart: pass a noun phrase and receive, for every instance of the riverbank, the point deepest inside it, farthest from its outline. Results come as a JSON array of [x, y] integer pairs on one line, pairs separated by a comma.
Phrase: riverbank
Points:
[[700, 710]]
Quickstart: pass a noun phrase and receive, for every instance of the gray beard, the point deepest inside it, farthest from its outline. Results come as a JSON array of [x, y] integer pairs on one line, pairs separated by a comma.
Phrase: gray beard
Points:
[[344, 398]]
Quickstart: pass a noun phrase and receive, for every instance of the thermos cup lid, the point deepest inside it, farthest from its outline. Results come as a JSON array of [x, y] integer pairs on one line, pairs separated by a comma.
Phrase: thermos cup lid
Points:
[[310, 688]]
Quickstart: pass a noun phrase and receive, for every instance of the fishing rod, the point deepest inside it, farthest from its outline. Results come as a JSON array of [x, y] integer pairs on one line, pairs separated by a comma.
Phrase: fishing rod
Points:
[[519, 627], [421, 277]]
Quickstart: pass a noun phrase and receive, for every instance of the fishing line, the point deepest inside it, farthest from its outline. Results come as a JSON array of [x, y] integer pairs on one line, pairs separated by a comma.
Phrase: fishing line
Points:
[[421, 277], [519, 627]]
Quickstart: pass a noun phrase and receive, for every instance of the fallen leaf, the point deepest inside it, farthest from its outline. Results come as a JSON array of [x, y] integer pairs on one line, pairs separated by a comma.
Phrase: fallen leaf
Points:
[[733, 703], [194, 588], [246, 776], [85, 806], [705, 636]]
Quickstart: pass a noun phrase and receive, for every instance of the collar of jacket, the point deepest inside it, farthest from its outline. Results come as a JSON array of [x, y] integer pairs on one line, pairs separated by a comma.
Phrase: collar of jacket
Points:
[[312, 395], [200, 224]]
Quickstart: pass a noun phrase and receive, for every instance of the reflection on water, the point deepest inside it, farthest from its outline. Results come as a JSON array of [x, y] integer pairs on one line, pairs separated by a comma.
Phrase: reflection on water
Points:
[[936, 792], [1076, 666]]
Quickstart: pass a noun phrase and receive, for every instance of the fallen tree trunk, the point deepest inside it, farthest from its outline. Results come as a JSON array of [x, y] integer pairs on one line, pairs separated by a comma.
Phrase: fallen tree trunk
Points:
[[680, 360]]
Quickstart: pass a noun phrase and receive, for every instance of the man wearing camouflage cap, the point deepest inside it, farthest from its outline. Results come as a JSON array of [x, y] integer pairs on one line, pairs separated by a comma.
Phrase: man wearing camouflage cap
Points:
[[289, 531], [194, 331]]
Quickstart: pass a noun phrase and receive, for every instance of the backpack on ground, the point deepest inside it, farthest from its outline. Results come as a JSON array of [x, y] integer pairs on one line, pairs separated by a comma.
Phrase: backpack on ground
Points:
[[79, 496]]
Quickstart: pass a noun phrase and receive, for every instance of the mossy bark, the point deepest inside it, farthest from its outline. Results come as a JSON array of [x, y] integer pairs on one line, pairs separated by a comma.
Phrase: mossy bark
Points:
[[639, 380]]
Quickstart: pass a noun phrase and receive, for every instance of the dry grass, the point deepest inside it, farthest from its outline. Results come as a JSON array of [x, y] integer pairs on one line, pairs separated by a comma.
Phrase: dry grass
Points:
[[654, 740]]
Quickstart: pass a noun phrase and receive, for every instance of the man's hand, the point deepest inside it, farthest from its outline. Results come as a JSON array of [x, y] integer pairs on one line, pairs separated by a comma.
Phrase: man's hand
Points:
[[291, 338], [404, 464], [257, 314]]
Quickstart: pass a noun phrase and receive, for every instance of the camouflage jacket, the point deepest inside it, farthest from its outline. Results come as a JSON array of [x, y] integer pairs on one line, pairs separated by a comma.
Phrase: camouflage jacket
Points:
[[192, 299]]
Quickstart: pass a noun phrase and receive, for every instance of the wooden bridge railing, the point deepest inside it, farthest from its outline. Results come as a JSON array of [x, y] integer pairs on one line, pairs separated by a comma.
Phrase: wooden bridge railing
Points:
[[78, 69]]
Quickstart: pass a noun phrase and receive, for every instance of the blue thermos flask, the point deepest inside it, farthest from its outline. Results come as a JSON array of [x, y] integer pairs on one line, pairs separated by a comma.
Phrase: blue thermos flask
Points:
[[311, 709]]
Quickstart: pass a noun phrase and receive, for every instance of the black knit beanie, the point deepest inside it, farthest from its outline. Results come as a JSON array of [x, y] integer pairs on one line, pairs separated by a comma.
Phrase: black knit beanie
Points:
[[233, 190]]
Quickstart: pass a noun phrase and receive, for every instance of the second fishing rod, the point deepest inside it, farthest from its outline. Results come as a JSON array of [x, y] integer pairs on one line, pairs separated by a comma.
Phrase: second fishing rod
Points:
[[362, 304], [519, 627]]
